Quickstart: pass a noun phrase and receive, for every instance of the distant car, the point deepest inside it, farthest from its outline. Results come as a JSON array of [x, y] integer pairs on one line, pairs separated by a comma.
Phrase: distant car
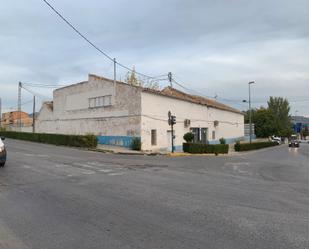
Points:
[[2, 152], [276, 139], [293, 142]]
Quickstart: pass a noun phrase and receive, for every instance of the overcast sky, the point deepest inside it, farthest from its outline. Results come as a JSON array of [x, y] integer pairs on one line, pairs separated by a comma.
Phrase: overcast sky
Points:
[[211, 46]]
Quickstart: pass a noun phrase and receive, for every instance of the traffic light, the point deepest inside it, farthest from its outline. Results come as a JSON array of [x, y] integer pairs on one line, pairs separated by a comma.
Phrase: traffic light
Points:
[[173, 120]]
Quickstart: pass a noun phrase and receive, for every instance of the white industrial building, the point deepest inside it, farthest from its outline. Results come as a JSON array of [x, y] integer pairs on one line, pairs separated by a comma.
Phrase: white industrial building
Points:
[[118, 112]]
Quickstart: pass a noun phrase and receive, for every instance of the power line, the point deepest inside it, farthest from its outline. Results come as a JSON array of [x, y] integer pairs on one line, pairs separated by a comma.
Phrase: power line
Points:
[[91, 43], [35, 93], [234, 101], [24, 103], [43, 85], [196, 92]]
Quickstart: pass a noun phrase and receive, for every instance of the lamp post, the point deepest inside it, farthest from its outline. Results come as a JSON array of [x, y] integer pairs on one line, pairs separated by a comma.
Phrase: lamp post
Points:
[[250, 110]]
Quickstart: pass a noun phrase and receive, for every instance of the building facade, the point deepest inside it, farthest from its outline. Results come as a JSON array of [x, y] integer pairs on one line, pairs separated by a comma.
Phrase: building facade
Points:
[[118, 112], [16, 121], [299, 123]]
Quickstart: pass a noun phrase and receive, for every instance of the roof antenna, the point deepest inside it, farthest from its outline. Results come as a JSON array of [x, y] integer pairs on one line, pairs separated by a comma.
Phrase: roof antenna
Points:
[[170, 79]]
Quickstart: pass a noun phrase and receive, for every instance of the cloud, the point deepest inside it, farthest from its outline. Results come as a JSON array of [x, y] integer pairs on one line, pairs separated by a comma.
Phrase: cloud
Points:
[[210, 46]]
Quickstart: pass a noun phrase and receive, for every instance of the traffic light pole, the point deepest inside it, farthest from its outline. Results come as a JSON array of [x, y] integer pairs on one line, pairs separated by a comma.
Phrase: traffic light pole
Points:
[[172, 138], [171, 121]]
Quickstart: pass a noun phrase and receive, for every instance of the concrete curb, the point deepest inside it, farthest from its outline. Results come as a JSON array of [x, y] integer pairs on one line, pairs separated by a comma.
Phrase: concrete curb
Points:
[[133, 153]]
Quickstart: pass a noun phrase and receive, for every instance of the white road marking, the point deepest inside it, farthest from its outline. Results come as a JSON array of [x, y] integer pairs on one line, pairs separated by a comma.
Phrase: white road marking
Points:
[[43, 156], [33, 155], [88, 172], [106, 170], [60, 165], [237, 164], [86, 166], [116, 174], [236, 167]]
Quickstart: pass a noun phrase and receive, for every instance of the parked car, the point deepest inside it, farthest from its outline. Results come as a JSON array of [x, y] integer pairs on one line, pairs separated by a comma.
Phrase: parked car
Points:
[[2, 152], [293, 142], [276, 139]]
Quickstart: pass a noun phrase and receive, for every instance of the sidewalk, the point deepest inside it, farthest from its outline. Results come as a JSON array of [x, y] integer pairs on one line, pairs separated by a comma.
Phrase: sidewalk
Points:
[[117, 150], [124, 151]]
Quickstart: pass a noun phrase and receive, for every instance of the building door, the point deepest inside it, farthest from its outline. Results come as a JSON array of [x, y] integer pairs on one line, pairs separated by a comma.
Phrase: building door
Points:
[[204, 135], [196, 133]]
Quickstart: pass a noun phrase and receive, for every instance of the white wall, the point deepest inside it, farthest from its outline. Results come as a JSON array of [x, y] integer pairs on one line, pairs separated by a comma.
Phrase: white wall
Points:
[[154, 116], [71, 113], [133, 113]]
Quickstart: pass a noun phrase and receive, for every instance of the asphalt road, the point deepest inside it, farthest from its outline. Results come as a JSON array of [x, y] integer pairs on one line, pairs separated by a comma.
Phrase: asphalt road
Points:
[[55, 197]]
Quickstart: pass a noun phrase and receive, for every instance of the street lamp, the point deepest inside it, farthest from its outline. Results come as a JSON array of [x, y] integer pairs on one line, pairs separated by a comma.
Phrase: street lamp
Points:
[[250, 110]]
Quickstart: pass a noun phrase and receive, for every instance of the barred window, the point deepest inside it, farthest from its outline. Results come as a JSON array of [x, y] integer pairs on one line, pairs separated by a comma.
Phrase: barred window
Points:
[[100, 101]]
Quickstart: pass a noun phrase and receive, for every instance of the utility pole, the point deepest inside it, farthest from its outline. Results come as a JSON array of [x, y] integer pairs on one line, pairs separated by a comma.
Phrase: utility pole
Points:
[[172, 122], [115, 75], [170, 79], [33, 115], [250, 111], [19, 105]]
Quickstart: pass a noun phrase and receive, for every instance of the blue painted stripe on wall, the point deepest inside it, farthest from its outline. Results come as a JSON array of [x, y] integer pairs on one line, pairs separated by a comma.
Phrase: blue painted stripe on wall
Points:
[[247, 138], [124, 141], [229, 140]]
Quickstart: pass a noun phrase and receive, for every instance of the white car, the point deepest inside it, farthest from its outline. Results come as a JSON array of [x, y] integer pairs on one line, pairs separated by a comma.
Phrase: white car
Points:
[[276, 139], [2, 152]]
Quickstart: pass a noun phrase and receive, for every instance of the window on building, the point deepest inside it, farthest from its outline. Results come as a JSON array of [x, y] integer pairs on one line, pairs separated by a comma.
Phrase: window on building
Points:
[[92, 102], [213, 135], [100, 101], [107, 100], [153, 137]]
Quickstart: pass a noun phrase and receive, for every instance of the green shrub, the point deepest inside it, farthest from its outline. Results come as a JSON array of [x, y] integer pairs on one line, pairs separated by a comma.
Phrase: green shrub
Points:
[[237, 146], [188, 137], [195, 148], [136, 144], [253, 146], [87, 141], [222, 140]]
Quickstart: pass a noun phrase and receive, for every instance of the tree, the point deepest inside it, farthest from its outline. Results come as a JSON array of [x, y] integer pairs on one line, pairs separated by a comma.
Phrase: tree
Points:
[[273, 120], [264, 123], [152, 84], [280, 109], [305, 132], [132, 79]]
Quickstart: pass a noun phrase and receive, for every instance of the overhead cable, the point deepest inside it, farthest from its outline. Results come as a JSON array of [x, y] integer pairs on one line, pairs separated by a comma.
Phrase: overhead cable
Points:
[[92, 43]]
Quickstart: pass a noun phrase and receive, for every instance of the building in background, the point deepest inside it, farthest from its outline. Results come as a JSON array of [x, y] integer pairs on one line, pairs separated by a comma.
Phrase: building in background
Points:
[[118, 112], [299, 123], [16, 121]]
